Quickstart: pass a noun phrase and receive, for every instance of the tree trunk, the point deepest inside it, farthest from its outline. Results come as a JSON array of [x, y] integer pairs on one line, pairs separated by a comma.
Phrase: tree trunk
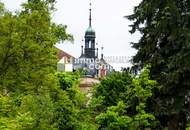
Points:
[[173, 123], [177, 122], [183, 121]]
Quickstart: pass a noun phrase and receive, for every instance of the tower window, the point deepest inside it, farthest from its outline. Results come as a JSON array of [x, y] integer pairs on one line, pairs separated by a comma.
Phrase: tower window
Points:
[[90, 44]]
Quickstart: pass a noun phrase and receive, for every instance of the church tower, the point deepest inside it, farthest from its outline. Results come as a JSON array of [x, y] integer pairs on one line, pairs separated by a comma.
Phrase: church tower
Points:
[[90, 35]]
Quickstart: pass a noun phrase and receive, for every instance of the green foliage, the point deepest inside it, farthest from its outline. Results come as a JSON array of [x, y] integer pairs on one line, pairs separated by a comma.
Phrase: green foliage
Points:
[[140, 92], [165, 45], [35, 112], [26, 47], [114, 118], [32, 96], [71, 111], [130, 112], [68, 79], [113, 89]]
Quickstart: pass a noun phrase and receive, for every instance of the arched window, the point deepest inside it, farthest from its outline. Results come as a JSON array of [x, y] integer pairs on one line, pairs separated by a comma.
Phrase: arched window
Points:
[[89, 44]]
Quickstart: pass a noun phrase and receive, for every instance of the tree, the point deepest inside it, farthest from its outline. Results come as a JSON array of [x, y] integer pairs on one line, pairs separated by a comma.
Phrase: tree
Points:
[[130, 112], [111, 90], [27, 50], [165, 45], [70, 104], [27, 66]]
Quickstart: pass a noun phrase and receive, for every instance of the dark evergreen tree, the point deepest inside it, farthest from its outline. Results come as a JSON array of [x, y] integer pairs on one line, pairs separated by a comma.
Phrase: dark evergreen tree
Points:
[[165, 45]]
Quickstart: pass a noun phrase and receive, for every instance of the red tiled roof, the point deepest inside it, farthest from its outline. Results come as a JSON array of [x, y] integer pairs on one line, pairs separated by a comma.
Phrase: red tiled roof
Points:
[[62, 54]]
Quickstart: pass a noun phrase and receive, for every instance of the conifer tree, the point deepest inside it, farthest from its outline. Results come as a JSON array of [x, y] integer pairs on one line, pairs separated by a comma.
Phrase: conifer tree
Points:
[[165, 45]]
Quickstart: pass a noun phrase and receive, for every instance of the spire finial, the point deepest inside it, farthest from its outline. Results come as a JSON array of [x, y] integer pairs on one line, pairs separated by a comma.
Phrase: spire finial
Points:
[[97, 53], [102, 55], [90, 17], [82, 53]]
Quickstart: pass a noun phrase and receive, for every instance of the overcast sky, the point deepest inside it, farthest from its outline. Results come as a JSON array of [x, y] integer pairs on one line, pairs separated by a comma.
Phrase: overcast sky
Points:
[[107, 19]]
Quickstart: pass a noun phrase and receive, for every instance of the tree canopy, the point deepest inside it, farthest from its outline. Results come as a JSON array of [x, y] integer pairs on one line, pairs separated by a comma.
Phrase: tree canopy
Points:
[[165, 45], [34, 96]]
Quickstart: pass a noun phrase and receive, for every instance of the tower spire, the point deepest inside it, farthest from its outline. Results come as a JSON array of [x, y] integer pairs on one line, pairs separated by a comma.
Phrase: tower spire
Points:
[[90, 17]]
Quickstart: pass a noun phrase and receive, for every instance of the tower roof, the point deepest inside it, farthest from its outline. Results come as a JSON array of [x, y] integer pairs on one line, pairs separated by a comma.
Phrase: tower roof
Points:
[[90, 31]]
